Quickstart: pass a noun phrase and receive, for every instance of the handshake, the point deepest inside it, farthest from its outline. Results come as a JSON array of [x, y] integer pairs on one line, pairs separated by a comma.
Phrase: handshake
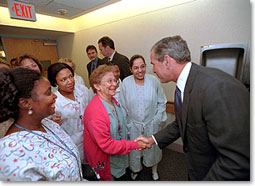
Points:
[[144, 142]]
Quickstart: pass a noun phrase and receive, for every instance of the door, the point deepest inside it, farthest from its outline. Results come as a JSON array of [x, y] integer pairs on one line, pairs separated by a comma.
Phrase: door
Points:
[[44, 50]]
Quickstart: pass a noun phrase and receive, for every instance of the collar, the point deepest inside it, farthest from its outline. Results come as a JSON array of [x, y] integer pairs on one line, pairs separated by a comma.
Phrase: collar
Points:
[[95, 61], [119, 81], [63, 101], [110, 57], [181, 81]]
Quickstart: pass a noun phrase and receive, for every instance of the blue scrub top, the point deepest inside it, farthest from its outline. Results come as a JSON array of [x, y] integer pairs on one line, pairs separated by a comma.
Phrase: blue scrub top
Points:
[[118, 163]]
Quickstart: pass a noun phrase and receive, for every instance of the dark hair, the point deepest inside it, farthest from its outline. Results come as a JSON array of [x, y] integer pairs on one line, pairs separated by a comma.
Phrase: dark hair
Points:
[[26, 56], [107, 41], [13, 59], [91, 47], [15, 84], [54, 69], [133, 58]]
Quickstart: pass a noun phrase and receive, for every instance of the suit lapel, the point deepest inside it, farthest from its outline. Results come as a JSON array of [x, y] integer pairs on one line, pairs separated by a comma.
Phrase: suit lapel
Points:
[[89, 67], [187, 92], [114, 56]]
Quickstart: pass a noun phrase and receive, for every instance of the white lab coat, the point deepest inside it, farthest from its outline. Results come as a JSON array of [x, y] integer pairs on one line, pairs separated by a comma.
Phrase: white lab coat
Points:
[[72, 114], [154, 106], [78, 79], [117, 92]]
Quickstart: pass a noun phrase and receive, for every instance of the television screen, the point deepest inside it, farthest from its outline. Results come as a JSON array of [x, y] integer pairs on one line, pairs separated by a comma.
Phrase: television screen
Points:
[[228, 60], [233, 59]]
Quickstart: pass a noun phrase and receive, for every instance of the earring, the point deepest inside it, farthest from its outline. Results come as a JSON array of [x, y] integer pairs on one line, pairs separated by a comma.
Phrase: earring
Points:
[[30, 112]]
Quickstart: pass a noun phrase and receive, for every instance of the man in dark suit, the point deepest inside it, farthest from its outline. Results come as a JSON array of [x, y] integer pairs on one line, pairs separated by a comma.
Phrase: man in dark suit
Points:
[[107, 48], [93, 56], [212, 118]]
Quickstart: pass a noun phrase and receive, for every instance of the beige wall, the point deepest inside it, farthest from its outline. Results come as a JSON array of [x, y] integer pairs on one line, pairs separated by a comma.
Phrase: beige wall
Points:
[[200, 22]]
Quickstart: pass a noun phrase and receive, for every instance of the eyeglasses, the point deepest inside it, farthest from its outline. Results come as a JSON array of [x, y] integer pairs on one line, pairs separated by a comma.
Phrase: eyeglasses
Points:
[[111, 81]]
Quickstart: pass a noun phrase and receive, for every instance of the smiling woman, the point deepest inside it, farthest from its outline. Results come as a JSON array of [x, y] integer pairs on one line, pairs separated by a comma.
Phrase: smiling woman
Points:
[[72, 99], [143, 101], [29, 61], [105, 128], [32, 149]]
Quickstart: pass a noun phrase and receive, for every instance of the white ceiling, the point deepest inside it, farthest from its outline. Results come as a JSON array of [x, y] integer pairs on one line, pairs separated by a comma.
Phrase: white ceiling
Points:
[[74, 8]]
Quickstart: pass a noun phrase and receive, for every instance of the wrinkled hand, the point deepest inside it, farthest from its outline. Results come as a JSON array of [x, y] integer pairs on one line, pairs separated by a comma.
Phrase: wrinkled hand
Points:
[[144, 142], [56, 118], [142, 145]]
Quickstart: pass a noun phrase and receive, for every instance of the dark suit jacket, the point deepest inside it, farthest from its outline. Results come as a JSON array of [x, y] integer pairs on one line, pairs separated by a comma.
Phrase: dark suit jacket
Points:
[[123, 63], [215, 126], [99, 62]]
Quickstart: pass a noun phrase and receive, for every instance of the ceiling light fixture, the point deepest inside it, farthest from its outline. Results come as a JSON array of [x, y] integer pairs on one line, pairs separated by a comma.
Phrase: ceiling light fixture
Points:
[[49, 44], [62, 12]]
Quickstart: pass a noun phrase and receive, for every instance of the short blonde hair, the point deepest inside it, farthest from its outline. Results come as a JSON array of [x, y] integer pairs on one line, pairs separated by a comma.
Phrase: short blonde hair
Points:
[[62, 60], [98, 74], [2, 61], [66, 61]]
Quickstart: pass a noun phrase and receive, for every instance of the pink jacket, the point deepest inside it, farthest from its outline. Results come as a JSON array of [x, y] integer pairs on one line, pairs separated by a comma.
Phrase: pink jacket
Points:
[[98, 143]]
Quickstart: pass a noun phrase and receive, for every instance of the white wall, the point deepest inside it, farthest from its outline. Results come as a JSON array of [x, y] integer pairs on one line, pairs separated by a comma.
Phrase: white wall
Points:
[[65, 46], [42, 22], [200, 22]]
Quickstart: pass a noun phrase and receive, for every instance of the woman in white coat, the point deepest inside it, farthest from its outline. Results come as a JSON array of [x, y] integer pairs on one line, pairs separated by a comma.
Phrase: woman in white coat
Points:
[[144, 103], [71, 102]]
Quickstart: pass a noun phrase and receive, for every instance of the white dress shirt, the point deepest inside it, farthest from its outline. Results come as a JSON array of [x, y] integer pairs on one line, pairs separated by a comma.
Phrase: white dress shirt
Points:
[[110, 57], [181, 82]]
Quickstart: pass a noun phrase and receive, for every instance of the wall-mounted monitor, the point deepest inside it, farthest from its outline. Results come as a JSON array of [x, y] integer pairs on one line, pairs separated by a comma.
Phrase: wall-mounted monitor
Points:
[[233, 59]]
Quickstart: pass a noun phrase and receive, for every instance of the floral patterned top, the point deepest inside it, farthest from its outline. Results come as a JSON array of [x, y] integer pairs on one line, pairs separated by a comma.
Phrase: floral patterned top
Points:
[[25, 156]]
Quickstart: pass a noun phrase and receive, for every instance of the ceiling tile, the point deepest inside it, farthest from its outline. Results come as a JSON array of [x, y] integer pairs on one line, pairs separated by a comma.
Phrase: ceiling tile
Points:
[[74, 8]]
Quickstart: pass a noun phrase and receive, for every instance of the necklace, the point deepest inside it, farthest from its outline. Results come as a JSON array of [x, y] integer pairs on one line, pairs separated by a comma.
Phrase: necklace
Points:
[[115, 113], [67, 149]]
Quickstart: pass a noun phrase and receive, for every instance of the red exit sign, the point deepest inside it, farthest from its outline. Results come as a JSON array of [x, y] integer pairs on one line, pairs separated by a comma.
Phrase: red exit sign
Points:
[[22, 11]]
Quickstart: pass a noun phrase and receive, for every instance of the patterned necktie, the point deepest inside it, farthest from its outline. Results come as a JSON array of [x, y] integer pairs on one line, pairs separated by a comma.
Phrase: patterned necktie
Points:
[[94, 65], [178, 102]]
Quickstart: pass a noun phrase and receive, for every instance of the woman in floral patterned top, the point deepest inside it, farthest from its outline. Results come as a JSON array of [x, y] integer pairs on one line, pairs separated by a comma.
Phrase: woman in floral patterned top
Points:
[[34, 148]]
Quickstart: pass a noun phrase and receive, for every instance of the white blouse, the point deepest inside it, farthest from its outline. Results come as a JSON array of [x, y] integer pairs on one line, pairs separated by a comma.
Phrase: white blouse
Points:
[[72, 114], [78, 79]]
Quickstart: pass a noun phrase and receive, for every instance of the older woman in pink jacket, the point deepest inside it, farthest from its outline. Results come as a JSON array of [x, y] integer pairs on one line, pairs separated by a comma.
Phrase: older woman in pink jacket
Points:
[[105, 133]]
